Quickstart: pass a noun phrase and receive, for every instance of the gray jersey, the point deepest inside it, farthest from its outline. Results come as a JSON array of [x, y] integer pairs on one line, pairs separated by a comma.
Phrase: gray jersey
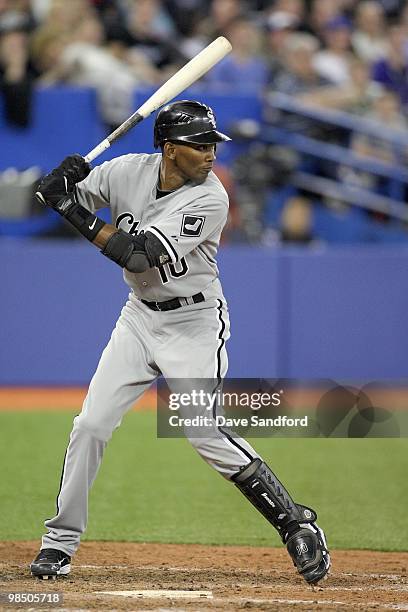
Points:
[[188, 222]]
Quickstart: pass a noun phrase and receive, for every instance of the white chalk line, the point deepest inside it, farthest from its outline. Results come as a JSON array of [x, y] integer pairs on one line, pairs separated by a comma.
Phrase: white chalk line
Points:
[[388, 576], [390, 588], [313, 602], [166, 594], [159, 594], [326, 587]]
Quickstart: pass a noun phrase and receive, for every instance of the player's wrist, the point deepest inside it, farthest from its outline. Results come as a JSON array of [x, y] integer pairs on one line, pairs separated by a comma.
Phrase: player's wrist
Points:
[[88, 224]]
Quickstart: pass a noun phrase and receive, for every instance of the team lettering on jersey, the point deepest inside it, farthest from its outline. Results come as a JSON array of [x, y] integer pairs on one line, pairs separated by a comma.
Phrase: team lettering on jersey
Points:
[[126, 221]]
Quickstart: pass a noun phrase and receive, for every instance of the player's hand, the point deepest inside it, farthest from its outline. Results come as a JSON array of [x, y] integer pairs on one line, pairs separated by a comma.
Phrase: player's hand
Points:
[[75, 168], [54, 186]]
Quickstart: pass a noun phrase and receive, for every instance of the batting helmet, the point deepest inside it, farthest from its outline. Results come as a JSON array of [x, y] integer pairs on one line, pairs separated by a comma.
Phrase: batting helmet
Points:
[[187, 121]]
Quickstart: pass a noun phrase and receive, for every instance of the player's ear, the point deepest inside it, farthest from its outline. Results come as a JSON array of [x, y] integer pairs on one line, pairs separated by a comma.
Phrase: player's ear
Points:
[[169, 150]]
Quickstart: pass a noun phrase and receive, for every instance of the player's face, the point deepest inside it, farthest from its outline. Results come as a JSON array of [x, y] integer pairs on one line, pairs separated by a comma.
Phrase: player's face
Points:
[[194, 161]]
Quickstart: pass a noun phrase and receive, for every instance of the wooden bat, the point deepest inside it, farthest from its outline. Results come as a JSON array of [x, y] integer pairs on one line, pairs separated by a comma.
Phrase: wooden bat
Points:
[[186, 76]]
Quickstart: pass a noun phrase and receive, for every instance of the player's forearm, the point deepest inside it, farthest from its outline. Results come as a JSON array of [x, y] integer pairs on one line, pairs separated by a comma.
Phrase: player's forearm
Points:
[[125, 250], [135, 253], [119, 246]]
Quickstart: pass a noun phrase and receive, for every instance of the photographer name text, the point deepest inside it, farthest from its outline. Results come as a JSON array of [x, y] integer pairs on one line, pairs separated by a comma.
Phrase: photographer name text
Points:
[[222, 421]]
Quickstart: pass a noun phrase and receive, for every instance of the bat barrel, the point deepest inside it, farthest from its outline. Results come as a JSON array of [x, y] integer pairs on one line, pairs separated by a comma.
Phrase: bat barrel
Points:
[[186, 76]]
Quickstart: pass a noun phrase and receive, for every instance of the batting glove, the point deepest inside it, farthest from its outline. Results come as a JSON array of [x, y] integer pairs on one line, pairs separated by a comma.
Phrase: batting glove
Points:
[[62, 180]]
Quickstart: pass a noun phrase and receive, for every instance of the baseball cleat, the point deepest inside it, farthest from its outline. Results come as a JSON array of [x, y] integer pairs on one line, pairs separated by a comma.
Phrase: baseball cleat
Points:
[[50, 563], [309, 553]]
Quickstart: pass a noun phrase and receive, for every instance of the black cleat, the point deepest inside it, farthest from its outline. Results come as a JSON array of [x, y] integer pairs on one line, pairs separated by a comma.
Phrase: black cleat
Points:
[[309, 553], [50, 563]]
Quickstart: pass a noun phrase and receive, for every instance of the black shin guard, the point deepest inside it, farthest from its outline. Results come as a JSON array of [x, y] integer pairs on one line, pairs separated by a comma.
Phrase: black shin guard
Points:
[[305, 541], [263, 489]]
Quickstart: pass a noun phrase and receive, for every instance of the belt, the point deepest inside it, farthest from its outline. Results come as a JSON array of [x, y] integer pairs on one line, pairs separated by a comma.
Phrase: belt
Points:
[[174, 303]]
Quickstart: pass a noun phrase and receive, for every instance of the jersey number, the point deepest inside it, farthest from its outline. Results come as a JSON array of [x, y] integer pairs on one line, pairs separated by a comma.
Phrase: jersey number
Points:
[[182, 271], [182, 267]]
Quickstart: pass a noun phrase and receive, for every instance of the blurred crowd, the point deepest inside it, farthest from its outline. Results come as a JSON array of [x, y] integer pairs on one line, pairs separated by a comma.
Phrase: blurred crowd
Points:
[[345, 55]]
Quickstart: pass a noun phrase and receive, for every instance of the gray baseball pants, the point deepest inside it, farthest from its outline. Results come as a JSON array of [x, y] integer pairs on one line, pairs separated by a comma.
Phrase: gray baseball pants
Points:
[[188, 342]]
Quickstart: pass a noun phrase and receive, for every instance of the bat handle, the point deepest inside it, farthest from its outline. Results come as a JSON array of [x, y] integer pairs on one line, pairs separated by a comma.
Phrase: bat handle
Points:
[[133, 120], [98, 150]]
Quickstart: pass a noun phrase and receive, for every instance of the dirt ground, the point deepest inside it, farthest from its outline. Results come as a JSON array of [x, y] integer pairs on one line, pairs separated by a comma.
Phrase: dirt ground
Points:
[[233, 578]]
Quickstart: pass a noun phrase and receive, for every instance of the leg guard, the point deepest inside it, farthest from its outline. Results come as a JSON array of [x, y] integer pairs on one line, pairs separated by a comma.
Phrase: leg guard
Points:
[[304, 540]]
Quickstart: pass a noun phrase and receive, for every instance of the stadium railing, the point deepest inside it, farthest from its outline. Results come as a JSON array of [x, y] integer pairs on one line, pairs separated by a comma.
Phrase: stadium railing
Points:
[[391, 204]]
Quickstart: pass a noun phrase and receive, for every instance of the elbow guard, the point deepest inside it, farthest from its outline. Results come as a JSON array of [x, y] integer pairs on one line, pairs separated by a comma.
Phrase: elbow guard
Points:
[[121, 246], [135, 253]]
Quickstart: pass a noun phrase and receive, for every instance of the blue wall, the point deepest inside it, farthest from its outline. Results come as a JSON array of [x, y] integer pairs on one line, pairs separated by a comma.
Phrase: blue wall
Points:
[[338, 312]]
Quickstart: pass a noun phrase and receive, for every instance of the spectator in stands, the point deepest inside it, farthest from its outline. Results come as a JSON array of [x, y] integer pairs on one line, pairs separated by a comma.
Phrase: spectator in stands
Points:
[[355, 96], [152, 34], [17, 73], [112, 15], [186, 14], [16, 14], [403, 20], [60, 20], [369, 38], [299, 76], [85, 61], [321, 13], [393, 8], [279, 26], [40, 9], [220, 15], [391, 71], [151, 17], [244, 68], [294, 224], [65, 17], [294, 8], [385, 111], [333, 62], [296, 221], [206, 22], [47, 45]]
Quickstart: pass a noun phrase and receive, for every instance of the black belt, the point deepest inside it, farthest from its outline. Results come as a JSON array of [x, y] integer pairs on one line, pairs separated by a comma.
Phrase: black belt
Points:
[[174, 303]]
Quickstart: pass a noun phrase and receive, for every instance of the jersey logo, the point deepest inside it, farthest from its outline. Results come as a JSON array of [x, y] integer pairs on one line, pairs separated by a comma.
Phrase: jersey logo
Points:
[[211, 117], [164, 258], [191, 226]]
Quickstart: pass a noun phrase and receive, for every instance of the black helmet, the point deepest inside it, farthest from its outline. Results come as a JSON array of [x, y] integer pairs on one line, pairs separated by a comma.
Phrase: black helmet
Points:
[[187, 121]]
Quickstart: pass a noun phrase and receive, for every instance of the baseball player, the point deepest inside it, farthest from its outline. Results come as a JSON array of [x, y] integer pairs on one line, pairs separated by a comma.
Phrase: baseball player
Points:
[[168, 211]]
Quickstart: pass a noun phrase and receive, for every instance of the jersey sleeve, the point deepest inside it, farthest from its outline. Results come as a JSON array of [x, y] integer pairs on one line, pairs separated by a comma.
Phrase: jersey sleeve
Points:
[[185, 229], [94, 191]]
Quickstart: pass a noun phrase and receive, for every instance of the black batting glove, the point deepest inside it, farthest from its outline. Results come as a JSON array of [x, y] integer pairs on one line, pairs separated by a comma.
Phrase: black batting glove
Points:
[[75, 168], [62, 180]]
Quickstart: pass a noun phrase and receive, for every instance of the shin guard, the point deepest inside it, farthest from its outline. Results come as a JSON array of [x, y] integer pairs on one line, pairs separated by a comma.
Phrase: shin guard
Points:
[[263, 489], [295, 523]]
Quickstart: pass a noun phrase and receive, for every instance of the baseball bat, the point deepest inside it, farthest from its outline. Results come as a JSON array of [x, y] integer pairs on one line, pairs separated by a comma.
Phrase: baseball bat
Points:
[[186, 76]]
